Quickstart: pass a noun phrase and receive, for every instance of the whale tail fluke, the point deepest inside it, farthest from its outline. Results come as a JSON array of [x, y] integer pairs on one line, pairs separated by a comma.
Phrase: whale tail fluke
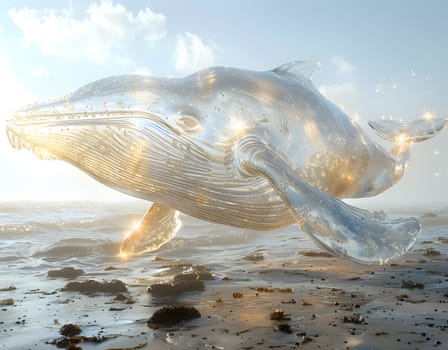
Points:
[[408, 132]]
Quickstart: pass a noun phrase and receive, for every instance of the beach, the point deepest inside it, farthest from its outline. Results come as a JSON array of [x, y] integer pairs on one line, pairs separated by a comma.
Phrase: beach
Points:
[[251, 290]]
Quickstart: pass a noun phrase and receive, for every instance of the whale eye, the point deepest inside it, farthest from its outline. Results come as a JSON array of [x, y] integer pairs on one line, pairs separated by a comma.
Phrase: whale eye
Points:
[[189, 124]]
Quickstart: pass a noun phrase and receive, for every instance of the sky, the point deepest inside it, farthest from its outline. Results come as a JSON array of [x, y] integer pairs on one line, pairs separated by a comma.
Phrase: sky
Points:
[[379, 59]]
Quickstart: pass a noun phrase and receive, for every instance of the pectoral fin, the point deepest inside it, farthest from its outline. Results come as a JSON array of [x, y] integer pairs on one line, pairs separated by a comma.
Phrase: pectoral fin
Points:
[[158, 226], [346, 231]]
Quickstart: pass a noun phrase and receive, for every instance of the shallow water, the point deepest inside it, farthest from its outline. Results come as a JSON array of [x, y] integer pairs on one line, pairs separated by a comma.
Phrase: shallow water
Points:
[[38, 237]]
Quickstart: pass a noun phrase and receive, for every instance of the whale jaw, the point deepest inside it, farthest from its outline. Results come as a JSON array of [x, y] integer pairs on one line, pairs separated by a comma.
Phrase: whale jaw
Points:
[[68, 136], [119, 151]]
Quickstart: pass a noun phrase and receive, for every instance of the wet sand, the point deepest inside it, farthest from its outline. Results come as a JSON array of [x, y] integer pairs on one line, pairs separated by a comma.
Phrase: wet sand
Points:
[[305, 300]]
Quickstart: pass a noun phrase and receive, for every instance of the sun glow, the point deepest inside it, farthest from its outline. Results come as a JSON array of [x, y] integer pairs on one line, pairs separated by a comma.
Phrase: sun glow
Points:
[[135, 227], [402, 139], [311, 130], [428, 116], [123, 255], [238, 126], [402, 142]]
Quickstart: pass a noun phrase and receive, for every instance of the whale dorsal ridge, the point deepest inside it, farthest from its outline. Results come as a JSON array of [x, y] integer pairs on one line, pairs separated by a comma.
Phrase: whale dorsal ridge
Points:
[[300, 69]]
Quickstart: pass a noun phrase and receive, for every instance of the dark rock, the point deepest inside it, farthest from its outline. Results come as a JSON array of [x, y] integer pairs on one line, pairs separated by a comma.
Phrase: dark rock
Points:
[[71, 342], [203, 273], [431, 252], [189, 280], [285, 328], [183, 267], [237, 295], [92, 286], [380, 333], [110, 268], [406, 298], [412, 285], [186, 277], [176, 287], [355, 318], [7, 289], [443, 240], [254, 257], [305, 339], [171, 315], [429, 215], [120, 297], [117, 308], [263, 289], [7, 302], [65, 343], [279, 315], [160, 258], [66, 272], [316, 254], [70, 330], [292, 301]]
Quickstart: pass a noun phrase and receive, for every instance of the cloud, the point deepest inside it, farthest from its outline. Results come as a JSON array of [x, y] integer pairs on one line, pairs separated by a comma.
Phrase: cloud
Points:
[[343, 65], [24, 176], [340, 94], [142, 71], [12, 96], [192, 53], [105, 30], [12, 93], [39, 72]]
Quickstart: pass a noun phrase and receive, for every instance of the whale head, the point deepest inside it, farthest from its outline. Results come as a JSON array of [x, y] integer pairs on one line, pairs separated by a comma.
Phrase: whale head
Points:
[[113, 129]]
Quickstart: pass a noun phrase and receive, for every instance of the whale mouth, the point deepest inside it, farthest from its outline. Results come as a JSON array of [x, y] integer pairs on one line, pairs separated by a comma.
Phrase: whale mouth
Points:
[[33, 131], [108, 103], [15, 132], [120, 148]]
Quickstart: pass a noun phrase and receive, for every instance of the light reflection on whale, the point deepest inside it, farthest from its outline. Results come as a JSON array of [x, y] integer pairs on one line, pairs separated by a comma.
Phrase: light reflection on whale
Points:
[[259, 150]]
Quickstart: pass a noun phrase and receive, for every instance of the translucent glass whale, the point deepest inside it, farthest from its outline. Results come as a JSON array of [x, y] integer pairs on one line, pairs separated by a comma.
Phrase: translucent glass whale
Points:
[[258, 150]]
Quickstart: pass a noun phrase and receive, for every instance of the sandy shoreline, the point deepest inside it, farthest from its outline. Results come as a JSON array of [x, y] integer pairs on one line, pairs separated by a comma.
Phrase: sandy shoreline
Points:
[[326, 303]]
